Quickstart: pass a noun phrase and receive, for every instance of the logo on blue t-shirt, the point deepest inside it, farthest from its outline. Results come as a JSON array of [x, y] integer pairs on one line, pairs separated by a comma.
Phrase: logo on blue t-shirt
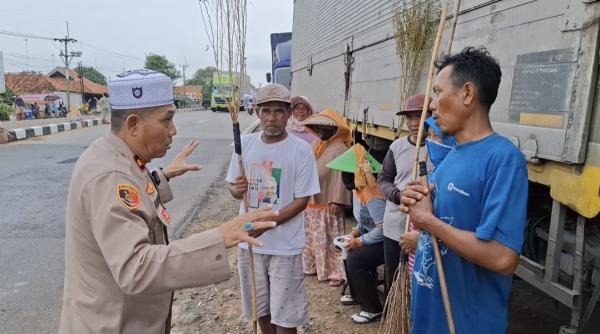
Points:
[[452, 187]]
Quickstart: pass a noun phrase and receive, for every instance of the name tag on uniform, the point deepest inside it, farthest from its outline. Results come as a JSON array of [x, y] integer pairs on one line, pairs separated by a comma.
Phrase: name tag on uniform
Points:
[[164, 215]]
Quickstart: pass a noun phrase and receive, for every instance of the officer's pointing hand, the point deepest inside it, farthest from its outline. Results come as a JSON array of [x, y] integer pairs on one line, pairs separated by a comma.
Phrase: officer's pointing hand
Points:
[[179, 166], [233, 231]]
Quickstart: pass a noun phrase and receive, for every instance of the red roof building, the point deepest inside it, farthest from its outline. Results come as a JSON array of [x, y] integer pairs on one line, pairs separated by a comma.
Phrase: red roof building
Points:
[[55, 83]]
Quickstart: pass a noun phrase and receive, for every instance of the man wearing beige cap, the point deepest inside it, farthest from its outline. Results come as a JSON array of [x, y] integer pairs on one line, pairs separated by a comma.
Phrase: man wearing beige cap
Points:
[[120, 269], [281, 171]]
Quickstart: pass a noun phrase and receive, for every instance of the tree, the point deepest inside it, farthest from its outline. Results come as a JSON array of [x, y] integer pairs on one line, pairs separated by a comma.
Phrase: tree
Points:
[[8, 97], [91, 74], [6, 104], [203, 77], [162, 64]]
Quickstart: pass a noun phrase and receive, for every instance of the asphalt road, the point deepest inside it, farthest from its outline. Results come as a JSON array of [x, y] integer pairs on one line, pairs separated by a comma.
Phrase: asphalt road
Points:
[[34, 181]]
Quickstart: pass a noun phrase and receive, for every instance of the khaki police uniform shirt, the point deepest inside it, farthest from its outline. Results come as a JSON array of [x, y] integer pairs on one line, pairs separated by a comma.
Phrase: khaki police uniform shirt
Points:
[[119, 270]]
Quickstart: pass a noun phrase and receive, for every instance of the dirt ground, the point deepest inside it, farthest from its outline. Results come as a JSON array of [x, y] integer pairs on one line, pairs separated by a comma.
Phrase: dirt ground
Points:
[[216, 308]]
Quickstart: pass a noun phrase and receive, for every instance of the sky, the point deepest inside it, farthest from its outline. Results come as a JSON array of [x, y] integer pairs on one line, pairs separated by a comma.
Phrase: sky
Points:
[[117, 34]]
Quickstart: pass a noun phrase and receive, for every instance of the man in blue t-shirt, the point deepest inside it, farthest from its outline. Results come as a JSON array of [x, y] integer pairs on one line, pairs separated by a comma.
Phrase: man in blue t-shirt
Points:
[[475, 205]]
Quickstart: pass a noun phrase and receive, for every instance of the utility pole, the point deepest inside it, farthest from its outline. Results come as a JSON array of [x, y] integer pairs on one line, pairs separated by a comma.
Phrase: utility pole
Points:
[[81, 82], [27, 54], [67, 57], [183, 67]]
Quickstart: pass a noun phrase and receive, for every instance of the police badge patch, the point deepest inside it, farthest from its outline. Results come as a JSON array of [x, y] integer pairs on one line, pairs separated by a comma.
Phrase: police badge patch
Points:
[[128, 195], [166, 216], [150, 187], [137, 92]]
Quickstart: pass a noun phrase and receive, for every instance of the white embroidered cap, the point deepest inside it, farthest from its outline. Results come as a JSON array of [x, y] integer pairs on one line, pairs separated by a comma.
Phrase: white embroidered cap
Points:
[[140, 89]]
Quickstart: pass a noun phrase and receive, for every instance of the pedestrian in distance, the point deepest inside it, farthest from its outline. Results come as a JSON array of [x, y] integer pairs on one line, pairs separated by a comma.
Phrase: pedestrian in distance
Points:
[[104, 104], [120, 268], [280, 171], [20, 109], [475, 205], [47, 111], [35, 110]]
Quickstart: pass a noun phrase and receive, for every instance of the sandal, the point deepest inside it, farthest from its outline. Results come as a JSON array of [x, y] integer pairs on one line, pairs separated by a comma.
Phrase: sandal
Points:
[[348, 300], [336, 282], [365, 317]]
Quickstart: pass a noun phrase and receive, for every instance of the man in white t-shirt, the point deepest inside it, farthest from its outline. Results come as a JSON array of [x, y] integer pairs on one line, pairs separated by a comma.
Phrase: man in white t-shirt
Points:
[[281, 171]]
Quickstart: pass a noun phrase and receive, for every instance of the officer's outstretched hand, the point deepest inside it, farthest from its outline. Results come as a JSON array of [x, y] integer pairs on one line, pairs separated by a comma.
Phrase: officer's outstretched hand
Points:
[[233, 231], [179, 166]]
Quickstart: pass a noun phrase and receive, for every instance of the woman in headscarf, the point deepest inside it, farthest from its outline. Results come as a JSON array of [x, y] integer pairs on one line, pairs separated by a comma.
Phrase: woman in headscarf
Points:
[[324, 216], [301, 110]]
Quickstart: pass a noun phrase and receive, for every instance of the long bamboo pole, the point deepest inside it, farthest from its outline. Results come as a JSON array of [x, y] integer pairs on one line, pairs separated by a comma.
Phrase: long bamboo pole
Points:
[[390, 325], [434, 241], [453, 26], [238, 150]]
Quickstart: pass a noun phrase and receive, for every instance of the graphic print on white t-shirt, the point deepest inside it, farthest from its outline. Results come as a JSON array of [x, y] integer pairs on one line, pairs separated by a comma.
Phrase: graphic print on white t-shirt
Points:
[[263, 184]]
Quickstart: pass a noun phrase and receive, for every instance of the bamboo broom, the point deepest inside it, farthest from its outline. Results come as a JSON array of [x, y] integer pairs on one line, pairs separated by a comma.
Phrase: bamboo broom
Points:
[[434, 241], [396, 319], [238, 150], [228, 18]]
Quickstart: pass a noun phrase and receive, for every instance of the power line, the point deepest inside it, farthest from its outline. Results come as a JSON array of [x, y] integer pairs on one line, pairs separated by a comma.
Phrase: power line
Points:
[[18, 34], [21, 64], [20, 55], [110, 52], [24, 35], [64, 53]]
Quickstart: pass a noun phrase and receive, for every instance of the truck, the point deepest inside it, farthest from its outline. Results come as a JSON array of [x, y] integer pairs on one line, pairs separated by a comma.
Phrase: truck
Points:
[[344, 57], [224, 88], [281, 47]]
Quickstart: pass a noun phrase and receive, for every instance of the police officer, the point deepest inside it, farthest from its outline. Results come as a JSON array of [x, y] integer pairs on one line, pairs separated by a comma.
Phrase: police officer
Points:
[[120, 269]]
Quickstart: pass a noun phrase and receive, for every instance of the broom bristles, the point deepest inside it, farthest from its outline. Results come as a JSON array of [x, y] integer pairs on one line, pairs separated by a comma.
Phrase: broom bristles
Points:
[[396, 314]]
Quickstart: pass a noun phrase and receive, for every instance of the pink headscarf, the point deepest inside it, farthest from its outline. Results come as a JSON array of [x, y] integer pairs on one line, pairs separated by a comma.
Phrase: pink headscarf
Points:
[[295, 124]]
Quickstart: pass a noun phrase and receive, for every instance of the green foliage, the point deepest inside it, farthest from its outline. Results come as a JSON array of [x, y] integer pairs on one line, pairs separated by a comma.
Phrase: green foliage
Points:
[[92, 74], [204, 77], [5, 111], [162, 64], [8, 97]]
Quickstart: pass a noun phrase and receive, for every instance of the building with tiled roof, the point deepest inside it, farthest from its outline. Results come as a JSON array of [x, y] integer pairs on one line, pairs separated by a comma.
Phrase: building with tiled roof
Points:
[[191, 92], [55, 83]]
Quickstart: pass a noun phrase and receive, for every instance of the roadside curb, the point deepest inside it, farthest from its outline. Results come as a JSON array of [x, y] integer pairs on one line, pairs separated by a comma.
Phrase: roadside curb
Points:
[[43, 130], [191, 109]]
